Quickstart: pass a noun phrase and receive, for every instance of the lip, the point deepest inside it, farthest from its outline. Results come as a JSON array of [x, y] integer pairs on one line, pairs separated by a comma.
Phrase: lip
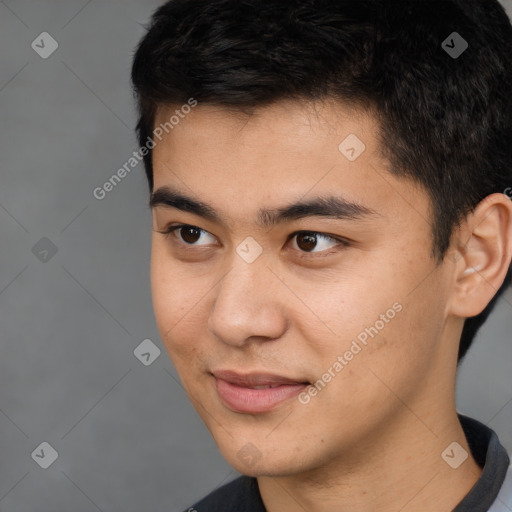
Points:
[[237, 393]]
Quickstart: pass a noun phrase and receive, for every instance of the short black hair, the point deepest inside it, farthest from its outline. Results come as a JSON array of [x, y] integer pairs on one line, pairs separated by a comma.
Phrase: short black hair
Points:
[[445, 120]]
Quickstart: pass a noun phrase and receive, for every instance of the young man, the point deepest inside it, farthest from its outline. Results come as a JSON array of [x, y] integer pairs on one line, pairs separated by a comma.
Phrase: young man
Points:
[[331, 224]]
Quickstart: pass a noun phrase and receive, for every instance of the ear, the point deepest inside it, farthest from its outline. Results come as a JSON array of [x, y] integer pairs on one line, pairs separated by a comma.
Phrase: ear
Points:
[[482, 261]]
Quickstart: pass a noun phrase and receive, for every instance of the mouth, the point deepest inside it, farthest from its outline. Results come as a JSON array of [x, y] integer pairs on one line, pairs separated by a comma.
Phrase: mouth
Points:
[[254, 393]]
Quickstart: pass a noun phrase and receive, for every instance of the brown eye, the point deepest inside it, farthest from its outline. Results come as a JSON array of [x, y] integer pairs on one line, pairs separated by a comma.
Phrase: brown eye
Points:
[[190, 234], [314, 243], [306, 241], [186, 234]]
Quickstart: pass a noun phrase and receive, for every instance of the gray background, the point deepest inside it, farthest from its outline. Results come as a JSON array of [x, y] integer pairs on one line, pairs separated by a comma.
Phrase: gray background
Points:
[[126, 436]]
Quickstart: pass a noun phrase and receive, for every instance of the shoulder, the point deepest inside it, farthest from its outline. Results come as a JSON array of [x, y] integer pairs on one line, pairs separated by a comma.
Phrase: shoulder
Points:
[[240, 494]]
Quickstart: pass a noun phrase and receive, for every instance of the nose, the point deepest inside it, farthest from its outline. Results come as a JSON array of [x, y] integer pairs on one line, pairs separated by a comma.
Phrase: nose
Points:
[[249, 305]]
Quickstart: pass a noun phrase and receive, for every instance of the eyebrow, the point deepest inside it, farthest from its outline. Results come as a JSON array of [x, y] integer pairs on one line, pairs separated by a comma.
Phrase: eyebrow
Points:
[[330, 207]]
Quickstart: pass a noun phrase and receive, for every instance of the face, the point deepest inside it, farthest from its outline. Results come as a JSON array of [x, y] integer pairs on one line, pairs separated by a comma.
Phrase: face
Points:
[[294, 328]]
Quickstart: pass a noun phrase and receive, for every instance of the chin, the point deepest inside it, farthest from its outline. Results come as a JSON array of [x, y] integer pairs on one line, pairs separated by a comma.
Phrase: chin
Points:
[[250, 461], [268, 469]]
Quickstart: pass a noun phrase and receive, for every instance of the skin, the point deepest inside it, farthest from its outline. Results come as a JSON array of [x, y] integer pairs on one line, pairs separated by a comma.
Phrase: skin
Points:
[[372, 438]]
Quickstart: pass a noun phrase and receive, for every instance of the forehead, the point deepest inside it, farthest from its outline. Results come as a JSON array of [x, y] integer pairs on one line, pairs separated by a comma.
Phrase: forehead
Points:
[[281, 126], [277, 155]]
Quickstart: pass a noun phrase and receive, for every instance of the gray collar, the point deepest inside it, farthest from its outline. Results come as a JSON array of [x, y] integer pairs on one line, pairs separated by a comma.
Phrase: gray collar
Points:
[[492, 458]]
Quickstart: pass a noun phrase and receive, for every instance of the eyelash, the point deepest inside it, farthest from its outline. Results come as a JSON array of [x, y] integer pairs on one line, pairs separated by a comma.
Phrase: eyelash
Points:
[[303, 254]]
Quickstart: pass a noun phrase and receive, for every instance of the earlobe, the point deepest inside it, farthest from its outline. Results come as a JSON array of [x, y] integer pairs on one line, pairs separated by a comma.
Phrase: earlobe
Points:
[[484, 260]]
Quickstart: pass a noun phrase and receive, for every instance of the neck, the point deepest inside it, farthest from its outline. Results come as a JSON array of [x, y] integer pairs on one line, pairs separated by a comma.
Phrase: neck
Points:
[[401, 468]]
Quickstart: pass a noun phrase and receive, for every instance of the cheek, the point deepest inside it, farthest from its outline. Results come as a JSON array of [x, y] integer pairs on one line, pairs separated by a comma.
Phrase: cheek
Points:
[[177, 303], [350, 305], [400, 357], [387, 328]]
